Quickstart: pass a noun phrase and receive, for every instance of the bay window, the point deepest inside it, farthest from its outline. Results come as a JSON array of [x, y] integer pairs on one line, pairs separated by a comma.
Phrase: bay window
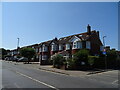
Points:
[[67, 46], [40, 49], [77, 45], [45, 48], [54, 47], [74, 45]]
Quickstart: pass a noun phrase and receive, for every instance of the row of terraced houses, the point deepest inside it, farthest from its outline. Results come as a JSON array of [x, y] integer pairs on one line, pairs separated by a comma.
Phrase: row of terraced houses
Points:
[[67, 46]]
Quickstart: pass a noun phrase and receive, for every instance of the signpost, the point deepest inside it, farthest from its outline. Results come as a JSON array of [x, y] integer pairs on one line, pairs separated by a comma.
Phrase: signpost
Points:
[[104, 52]]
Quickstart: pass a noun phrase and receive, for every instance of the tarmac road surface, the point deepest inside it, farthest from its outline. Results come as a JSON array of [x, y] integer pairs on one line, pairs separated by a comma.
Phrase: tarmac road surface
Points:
[[17, 76]]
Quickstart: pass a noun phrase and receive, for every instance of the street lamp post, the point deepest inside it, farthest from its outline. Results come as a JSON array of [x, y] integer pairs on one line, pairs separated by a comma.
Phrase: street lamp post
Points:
[[104, 41], [105, 52], [18, 45]]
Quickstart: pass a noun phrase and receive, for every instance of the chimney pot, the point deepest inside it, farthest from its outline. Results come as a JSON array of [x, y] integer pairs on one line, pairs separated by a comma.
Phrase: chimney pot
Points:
[[89, 29]]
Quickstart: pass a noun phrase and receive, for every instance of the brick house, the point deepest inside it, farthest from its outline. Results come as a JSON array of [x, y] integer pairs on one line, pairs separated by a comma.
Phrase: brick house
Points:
[[69, 45]]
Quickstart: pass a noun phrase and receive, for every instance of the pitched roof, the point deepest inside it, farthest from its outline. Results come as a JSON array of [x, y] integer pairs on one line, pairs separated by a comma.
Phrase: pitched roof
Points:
[[45, 43], [82, 36]]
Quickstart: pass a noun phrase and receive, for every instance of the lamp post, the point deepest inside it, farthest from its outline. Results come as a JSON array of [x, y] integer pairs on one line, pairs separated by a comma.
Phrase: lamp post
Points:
[[104, 41], [104, 52], [18, 45]]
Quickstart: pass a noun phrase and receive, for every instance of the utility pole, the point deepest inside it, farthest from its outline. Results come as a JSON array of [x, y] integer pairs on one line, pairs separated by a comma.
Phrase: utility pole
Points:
[[104, 52]]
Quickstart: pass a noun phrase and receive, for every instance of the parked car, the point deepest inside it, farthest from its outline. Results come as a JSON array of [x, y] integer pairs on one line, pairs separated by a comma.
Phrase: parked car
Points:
[[15, 59], [9, 58], [22, 59]]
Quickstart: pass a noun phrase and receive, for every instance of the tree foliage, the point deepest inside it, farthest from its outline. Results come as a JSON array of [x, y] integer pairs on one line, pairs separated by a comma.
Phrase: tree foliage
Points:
[[28, 53], [3, 52]]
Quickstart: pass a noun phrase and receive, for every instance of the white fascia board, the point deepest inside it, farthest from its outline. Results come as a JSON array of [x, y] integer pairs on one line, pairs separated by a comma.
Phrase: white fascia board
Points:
[[74, 38]]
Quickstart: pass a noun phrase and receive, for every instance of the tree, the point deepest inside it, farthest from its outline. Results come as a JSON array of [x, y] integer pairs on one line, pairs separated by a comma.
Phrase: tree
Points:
[[28, 53], [3, 52]]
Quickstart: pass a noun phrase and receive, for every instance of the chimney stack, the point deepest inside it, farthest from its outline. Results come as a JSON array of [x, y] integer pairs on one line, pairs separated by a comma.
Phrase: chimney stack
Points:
[[55, 39], [89, 29], [98, 34]]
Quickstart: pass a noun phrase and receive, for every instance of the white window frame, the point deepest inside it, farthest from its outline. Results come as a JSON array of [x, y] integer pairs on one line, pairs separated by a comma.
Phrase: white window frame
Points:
[[45, 48], [60, 47], [79, 45], [40, 49], [67, 46], [75, 45], [54, 47]]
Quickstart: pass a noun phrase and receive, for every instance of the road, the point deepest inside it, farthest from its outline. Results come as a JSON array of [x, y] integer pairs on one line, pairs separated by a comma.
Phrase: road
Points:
[[17, 76]]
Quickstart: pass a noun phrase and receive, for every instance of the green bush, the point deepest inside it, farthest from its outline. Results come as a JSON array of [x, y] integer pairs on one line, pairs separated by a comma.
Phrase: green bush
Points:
[[111, 58], [91, 60], [58, 61], [70, 63], [81, 56], [99, 62]]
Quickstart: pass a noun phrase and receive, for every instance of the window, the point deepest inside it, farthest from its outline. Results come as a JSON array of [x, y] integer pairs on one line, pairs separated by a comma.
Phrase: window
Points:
[[40, 49], [44, 49], [79, 45], [44, 57], [67, 46], [60, 47], [54, 47], [74, 45], [15, 52], [88, 45]]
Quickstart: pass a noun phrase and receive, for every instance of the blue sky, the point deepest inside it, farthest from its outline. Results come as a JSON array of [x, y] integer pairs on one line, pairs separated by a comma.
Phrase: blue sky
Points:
[[35, 22]]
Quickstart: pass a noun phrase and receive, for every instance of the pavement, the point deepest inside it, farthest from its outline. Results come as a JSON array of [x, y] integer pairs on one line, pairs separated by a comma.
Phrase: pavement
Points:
[[66, 72]]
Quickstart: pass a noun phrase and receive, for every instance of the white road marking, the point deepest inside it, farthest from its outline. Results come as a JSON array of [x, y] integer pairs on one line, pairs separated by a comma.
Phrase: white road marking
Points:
[[114, 81], [16, 85], [38, 81]]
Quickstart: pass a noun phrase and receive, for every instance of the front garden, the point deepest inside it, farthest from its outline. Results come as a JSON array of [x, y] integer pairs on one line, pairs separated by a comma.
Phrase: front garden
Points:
[[82, 60]]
